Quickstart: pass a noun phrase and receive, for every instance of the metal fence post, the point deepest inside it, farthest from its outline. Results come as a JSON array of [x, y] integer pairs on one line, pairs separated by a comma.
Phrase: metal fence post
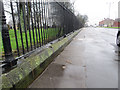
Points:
[[6, 39]]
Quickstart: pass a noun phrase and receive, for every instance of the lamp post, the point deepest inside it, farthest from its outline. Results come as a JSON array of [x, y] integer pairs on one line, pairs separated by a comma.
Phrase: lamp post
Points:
[[109, 7]]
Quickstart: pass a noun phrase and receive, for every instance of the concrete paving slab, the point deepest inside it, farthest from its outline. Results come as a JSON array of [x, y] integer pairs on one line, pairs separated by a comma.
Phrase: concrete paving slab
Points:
[[89, 61]]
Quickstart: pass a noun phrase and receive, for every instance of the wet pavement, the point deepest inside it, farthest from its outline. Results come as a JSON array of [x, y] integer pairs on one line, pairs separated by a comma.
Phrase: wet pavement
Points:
[[89, 61]]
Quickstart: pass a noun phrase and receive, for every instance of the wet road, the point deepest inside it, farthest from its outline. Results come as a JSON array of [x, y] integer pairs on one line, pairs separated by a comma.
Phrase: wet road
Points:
[[89, 61]]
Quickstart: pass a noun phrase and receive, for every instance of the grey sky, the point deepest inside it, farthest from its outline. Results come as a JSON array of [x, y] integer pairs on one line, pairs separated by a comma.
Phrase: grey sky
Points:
[[97, 10]]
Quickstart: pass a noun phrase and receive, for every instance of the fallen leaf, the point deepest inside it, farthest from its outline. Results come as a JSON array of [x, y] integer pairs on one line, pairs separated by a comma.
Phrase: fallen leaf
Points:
[[69, 62]]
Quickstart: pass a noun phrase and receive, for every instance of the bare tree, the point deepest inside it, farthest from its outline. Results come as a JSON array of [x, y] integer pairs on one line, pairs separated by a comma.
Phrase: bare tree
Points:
[[82, 18]]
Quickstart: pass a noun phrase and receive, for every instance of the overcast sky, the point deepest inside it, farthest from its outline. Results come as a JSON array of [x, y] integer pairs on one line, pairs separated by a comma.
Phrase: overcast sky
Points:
[[97, 10]]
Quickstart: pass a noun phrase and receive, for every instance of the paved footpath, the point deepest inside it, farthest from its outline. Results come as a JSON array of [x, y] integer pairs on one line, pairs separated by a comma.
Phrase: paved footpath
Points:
[[89, 61]]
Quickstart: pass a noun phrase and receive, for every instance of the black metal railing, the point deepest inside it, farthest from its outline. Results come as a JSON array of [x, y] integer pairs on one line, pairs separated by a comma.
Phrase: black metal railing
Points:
[[34, 24]]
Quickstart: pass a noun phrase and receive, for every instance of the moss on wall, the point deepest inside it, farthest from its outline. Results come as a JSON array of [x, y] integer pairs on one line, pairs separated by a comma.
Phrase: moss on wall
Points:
[[25, 73]]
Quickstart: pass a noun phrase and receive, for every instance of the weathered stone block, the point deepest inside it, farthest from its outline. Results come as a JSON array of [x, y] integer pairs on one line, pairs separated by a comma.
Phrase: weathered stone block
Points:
[[31, 67]]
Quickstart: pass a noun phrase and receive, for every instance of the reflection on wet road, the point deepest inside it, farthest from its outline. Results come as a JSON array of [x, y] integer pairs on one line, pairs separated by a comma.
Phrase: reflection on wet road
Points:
[[89, 61]]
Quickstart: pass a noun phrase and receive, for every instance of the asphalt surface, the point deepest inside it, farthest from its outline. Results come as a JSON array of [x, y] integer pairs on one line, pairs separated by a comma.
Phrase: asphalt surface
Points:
[[89, 61]]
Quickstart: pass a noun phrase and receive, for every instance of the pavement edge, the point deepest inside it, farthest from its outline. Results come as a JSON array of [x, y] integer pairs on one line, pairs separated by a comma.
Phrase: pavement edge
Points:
[[25, 73]]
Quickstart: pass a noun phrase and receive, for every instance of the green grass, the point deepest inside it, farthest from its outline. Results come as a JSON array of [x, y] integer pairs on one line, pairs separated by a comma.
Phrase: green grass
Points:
[[113, 27], [50, 32], [0, 46]]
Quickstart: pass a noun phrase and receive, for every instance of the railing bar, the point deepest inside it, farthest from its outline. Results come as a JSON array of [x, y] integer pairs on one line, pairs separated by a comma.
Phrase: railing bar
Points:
[[48, 19], [65, 22], [55, 24], [15, 29], [43, 21], [32, 27], [24, 19], [18, 8], [56, 27], [63, 31], [38, 23], [52, 30], [28, 23], [35, 22]]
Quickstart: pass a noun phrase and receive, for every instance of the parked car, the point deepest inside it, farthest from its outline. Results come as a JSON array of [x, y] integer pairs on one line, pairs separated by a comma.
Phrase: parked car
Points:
[[118, 38]]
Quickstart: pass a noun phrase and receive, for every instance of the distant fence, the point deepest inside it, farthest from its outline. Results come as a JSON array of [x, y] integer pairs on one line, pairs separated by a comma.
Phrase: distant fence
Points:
[[34, 24]]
